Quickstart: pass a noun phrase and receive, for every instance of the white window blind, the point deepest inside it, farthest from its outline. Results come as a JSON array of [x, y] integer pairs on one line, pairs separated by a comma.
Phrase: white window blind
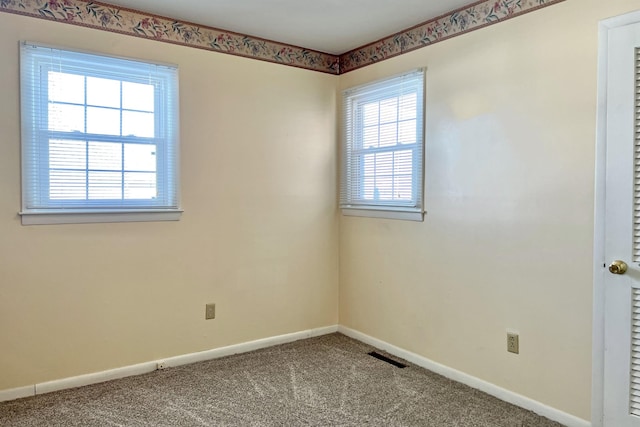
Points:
[[99, 134], [382, 153]]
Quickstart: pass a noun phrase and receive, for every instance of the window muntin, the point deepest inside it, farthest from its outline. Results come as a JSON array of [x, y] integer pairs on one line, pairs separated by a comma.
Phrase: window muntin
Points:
[[383, 145], [99, 133]]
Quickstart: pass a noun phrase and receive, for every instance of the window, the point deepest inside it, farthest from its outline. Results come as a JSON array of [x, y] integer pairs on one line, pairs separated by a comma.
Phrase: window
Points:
[[99, 138], [382, 153]]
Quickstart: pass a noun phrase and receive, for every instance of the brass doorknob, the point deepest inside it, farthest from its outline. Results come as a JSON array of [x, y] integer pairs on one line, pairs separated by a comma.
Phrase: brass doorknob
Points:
[[618, 267]]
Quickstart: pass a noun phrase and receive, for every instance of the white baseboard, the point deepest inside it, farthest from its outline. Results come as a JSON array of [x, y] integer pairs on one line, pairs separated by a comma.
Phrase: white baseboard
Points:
[[246, 347], [492, 389], [143, 368], [17, 393], [94, 378]]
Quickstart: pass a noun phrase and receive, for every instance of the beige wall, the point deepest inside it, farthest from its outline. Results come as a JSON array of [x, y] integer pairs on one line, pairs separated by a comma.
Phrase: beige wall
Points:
[[507, 241], [258, 236]]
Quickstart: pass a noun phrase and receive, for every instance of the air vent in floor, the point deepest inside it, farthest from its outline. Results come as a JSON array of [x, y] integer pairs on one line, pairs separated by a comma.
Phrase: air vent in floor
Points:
[[386, 359]]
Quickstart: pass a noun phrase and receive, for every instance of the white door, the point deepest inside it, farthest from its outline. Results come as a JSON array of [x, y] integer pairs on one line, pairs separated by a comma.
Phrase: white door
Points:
[[622, 230]]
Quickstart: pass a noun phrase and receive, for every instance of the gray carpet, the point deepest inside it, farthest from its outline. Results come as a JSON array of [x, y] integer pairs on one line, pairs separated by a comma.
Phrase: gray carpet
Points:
[[325, 381]]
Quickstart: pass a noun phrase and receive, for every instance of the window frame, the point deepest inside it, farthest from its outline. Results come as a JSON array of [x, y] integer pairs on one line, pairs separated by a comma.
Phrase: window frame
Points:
[[352, 203], [38, 207]]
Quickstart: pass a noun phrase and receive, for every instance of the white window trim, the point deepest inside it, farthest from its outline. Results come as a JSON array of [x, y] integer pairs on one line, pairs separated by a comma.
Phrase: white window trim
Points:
[[44, 218], [94, 214], [371, 212], [396, 212]]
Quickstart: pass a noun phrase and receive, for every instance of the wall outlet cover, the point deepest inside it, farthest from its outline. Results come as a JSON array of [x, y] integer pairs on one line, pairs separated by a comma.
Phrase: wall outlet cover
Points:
[[513, 343], [210, 311]]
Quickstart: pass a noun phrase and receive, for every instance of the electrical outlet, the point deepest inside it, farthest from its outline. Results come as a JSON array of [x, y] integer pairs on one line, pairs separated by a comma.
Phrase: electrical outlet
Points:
[[513, 344], [210, 311]]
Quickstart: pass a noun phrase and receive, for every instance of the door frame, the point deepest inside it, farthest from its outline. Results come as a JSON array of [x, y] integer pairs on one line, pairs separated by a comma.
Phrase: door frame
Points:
[[599, 261]]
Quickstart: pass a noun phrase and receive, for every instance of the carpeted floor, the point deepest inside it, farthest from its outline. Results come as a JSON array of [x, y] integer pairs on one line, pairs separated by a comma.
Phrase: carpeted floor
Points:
[[324, 381]]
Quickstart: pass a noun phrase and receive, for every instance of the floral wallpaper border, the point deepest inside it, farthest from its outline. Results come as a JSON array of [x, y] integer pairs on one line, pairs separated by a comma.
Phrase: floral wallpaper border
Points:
[[471, 17], [140, 24]]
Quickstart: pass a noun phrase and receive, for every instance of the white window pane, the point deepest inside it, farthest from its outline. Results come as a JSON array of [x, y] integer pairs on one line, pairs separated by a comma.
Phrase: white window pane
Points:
[[369, 165], [138, 124], [403, 188], [67, 154], [384, 188], [103, 121], [105, 156], [105, 185], [75, 151], [388, 134], [139, 185], [389, 110], [379, 151], [370, 114], [103, 92], [370, 137], [403, 162], [137, 96], [140, 157], [407, 107], [407, 132], [368, 188], [66, 118], [67, 185], [384, 164], [64, 87]]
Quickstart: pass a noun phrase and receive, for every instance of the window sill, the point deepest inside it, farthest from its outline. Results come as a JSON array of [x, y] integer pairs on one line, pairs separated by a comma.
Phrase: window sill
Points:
[[385, 213], [87, 217]]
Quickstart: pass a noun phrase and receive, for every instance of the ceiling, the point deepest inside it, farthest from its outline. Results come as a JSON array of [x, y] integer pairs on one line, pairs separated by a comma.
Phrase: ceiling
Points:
[[331, 26]]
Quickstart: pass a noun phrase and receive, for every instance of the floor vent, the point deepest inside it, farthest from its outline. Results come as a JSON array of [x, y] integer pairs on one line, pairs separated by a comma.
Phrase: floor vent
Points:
[[386, 359]]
